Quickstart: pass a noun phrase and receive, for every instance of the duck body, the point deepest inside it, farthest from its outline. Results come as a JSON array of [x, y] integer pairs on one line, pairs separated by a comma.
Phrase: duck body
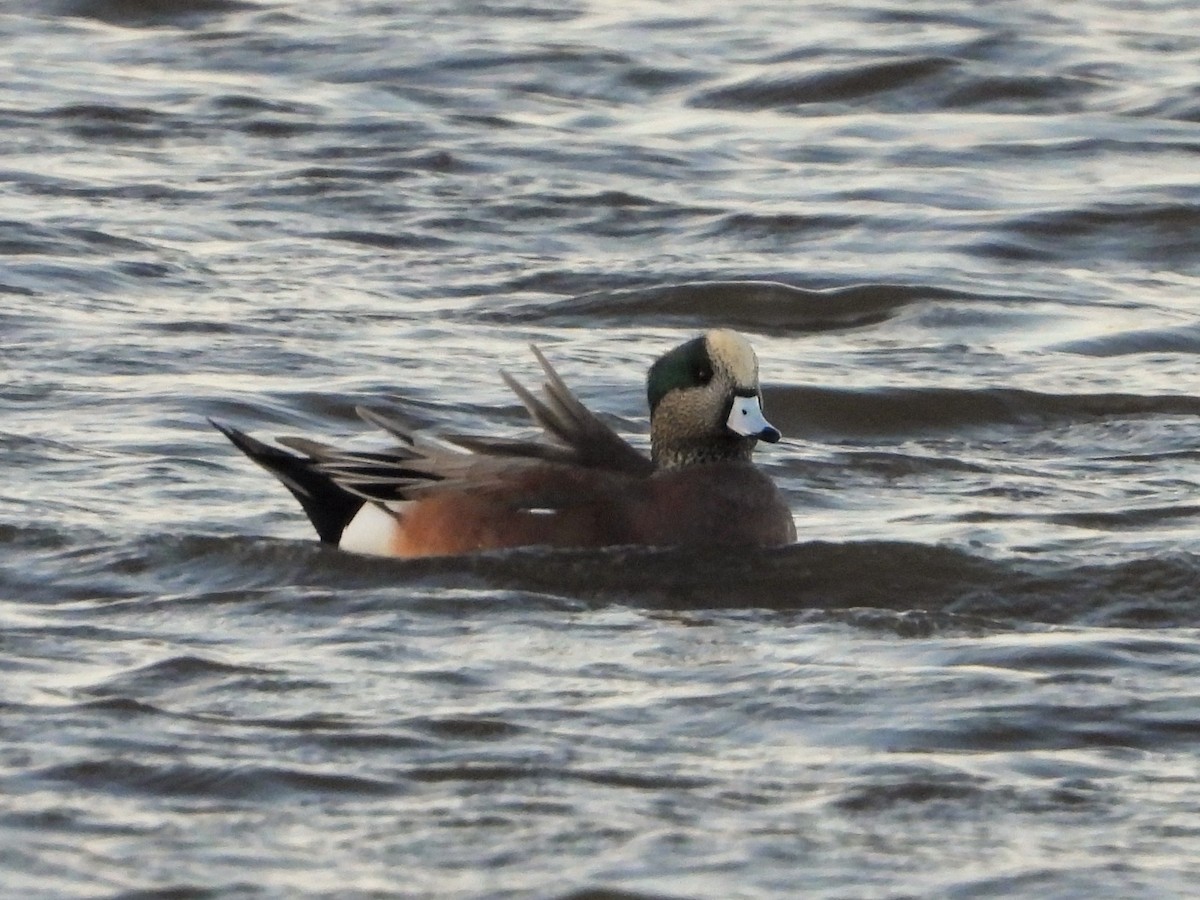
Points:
[[581, 485], [728, 504]]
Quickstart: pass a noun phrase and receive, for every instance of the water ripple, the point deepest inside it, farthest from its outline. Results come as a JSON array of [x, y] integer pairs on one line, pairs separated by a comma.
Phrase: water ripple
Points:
[[963, 243]]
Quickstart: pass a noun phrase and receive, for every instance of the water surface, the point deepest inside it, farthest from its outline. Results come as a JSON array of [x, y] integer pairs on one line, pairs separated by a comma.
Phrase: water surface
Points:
[[964, 239]]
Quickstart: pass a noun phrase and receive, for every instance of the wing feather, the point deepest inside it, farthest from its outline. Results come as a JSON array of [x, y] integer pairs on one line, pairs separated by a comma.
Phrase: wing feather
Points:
[[574, 437]]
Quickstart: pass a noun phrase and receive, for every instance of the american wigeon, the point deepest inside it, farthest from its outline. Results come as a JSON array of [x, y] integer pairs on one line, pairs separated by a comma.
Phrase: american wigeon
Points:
[[582, 486]]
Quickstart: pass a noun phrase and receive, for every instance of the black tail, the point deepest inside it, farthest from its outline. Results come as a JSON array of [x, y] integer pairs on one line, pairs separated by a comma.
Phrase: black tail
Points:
[[329, 507]]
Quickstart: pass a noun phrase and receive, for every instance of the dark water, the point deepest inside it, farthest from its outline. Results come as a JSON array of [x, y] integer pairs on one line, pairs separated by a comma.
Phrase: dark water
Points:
[[965, 239]]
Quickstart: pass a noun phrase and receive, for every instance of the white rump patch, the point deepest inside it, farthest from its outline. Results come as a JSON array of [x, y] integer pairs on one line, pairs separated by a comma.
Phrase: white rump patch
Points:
[[371, 531]]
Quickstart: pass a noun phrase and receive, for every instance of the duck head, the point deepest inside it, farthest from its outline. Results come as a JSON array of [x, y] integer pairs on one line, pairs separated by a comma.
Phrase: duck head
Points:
[[706, 403]]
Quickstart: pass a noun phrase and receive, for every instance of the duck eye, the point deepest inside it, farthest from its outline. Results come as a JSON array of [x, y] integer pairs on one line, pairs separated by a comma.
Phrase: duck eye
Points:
[[702, 374]]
